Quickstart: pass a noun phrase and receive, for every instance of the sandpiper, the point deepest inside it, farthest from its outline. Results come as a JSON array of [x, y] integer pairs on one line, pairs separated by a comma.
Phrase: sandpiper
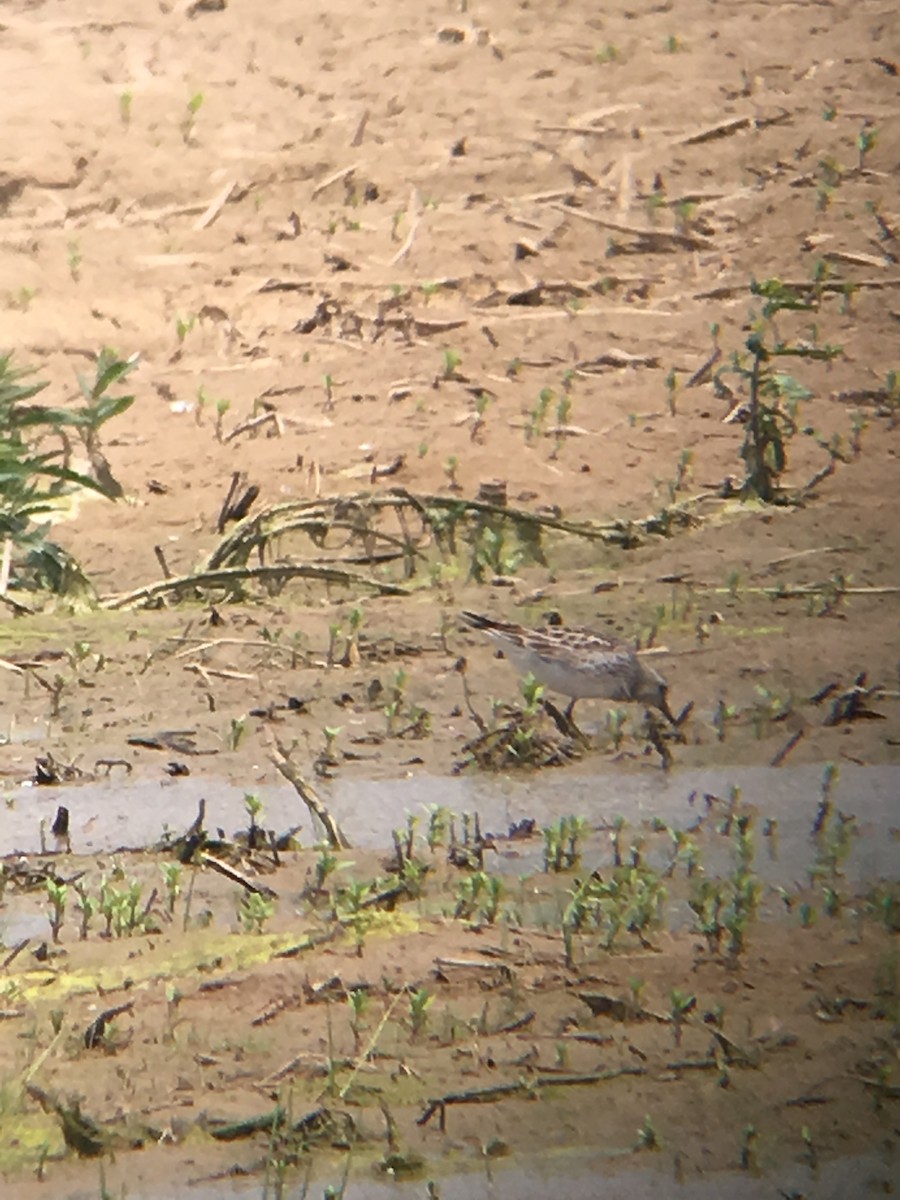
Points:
[[578, 663]]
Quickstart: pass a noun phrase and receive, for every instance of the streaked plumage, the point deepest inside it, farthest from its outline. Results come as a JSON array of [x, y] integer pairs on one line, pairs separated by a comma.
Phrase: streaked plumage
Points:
[[577, 663]]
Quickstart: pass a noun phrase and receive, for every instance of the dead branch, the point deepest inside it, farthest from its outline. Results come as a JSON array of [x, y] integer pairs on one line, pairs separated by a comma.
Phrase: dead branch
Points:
[[344, 173], [308, 795], [726, 128], [228, 576], [658, 239], [224, 868], [502, 1091]]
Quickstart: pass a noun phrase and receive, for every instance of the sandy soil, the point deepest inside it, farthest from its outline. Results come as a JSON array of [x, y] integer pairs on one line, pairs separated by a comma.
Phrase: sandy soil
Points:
[[361, 219]]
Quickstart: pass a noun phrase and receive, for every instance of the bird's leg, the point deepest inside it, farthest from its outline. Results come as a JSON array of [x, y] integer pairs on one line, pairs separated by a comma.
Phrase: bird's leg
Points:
[[564, 723]]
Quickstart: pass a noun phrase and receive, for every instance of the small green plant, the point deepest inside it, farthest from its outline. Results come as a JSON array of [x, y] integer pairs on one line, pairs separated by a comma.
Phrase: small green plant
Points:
[[438, 826], [749, 1139], [189, 120], [354, 912], [253, 807], [682, 1004], [866, 141], [394, 707], [358, 999], [607, 54], [538, 416], [773, 397], [237, 727], [615, 726], [451, 466], [481, 406], [125, 102], [87, 906], [222, 407], [672, 391], [420, 1002], [184, 326], [254, 911], [769, 707], [562, 843], [31, 480], [647, 1139], [171, 873], [57, 894], [20, 301], [451, 364], [74, 258], [326, 865]]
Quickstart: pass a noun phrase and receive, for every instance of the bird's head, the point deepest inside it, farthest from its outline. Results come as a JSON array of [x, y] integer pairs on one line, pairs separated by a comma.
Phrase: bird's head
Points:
[[654, 691]]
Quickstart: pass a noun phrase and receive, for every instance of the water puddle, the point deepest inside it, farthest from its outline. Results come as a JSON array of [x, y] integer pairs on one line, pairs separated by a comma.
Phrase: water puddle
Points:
[[113, 814]]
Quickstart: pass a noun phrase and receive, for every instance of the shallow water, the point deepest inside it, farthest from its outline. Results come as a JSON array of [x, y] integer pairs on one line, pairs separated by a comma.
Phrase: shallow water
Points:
[[579, 1175], [112, 814]]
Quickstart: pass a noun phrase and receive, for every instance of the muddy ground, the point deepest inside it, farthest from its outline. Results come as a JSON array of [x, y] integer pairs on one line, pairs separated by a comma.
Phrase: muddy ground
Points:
[[386, 232]]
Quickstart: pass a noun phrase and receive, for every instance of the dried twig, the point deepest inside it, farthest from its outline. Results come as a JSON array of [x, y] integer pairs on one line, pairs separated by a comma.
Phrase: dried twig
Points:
[[310, 798], [229, 576], [344, 173], [230, 872]]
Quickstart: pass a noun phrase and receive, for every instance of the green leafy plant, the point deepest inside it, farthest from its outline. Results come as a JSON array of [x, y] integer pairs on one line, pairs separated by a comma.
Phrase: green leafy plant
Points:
[[57, 894], [773, 397], [33, 478], [420, 1002], [254, 911]]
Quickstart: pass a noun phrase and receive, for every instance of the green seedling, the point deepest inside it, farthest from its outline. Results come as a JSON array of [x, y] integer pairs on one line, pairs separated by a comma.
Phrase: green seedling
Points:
[[334, 632], [615, 726], [358, 1000], [451, 364], [539, 414], [125, 102], [672, 391], [637, 987], [74, 259], [253, 807], [189, 120], [494, 894], [749, 1139], [237, 727], [326, 865], [183, 326], [171, 873], [647, 1139], [355, 914], [562, 841], [254, 911], [87, 906], [866, 141], [419, 1003], [394, 707], [769, 707], [451, 466], [438, 826], [57, 894], [682, 1004], [222, 407], [20, 301]]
